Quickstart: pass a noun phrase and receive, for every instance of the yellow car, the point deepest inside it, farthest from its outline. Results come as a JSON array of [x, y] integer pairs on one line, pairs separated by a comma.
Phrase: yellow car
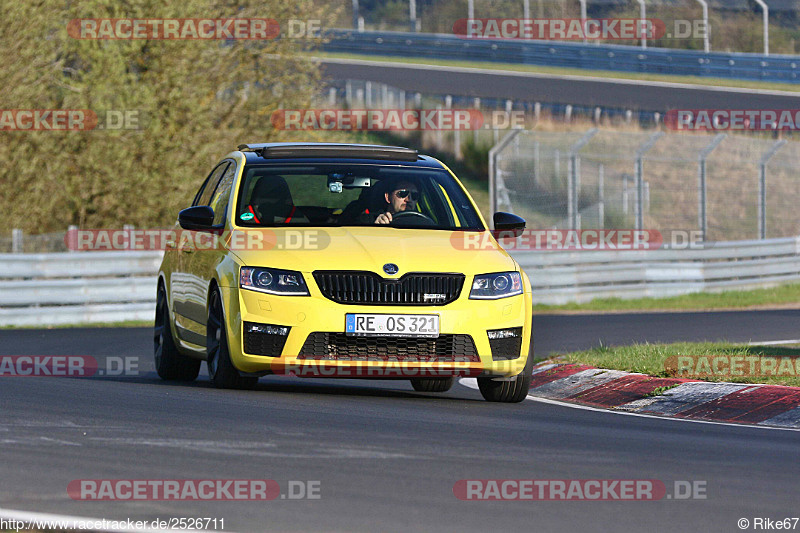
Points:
[[342, 260]]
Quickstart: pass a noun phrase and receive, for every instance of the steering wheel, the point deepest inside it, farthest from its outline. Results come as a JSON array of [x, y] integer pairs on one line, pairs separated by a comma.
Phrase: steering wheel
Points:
[[410, 215]]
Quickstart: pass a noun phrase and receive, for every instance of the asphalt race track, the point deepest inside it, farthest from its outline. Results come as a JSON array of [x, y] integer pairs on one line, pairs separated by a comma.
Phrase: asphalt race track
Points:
[[557, 89], [386, 458]]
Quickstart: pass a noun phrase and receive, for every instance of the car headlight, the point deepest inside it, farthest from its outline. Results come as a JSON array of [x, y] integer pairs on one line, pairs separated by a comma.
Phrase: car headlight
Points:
[[495, 286], [273, 281]]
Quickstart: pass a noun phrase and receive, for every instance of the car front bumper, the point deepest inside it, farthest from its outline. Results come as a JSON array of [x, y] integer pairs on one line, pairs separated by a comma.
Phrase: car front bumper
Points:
[[306, 315]]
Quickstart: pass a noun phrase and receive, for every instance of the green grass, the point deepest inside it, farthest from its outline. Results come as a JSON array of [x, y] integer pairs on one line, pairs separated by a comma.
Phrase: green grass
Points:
[[564, 71], [654, 360], [782, 295]]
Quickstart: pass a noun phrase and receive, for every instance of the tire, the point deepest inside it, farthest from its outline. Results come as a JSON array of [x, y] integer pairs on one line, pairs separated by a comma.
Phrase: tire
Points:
[[221, 372], [171, 365], [432, 384], [508, 391]]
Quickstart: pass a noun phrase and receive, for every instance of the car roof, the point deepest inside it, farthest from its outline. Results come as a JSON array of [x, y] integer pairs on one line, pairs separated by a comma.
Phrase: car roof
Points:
[[286, 152]]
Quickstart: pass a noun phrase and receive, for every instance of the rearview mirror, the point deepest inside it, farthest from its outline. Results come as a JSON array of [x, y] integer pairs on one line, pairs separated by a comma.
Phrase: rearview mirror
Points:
[[198, 217], [507, 224]]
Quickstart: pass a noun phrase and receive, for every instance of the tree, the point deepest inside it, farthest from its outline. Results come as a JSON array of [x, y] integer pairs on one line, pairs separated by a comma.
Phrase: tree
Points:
[[196, 101]]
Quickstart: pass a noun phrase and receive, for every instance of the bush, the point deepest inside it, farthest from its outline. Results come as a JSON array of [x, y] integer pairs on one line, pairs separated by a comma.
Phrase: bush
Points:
[[201, 99]]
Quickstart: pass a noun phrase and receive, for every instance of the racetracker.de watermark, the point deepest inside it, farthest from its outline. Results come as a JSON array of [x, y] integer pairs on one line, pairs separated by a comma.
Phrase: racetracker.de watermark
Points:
[[382, 366], [731, 366], [576, 490], [310, 239], [178, 28], [559, 29], [732, 119], [70, 366], [396, 119], [315, 239], [560, 239], [103, 524], [71, 119], [191, 490], [579, 240]]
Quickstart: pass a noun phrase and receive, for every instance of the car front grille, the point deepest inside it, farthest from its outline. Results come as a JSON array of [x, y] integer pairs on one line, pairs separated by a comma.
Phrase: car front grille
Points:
[[343, 347], [414, 288]]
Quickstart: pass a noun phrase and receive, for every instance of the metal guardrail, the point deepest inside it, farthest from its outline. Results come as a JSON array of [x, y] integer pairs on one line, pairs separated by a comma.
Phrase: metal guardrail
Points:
[[560, 277], [75, 288], [96, 287], [775, 68]]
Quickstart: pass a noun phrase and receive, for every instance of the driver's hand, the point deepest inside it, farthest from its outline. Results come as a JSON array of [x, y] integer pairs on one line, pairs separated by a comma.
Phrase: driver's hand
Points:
[[384, 218]]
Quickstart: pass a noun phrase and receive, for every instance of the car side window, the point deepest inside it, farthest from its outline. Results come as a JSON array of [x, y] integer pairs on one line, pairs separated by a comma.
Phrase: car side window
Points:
[[203, 196], [219, 202]]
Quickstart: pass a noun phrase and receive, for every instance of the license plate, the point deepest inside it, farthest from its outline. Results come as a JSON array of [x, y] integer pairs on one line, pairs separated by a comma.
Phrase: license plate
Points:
[[392, 325]]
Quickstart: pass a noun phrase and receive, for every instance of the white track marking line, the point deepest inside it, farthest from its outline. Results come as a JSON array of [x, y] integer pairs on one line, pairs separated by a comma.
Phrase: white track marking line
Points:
[[73, 521], [472, 383], [773, 343]]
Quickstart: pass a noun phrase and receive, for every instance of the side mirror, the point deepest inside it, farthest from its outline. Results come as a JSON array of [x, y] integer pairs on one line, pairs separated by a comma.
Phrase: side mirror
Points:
[[507, 224], [199, 218]]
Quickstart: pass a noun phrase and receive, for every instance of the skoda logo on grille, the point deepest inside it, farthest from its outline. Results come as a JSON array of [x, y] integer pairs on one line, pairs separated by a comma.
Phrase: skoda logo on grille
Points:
[[391, 269]]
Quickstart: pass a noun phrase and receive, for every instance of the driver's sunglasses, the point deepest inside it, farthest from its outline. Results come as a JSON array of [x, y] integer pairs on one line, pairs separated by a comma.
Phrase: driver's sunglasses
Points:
[[402, 193]]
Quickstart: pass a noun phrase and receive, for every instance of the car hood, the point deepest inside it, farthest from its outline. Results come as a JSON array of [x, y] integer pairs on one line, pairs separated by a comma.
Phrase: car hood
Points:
[[369, 248]]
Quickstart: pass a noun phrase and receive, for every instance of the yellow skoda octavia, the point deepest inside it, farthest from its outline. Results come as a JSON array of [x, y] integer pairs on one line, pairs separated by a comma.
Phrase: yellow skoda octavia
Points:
[[342, 260]]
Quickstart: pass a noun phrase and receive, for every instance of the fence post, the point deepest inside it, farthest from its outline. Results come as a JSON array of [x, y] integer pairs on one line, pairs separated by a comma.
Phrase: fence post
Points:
[[706, 29], [583, 19], [625, 194], [493, 153], [702, 212], [601, 200], [762, 188], [439, 133], [355, 14], [573, 179], [16, 241], [765, 22], [476, 105], [638, 174], [642, 17], [557, 164], [72, 237]]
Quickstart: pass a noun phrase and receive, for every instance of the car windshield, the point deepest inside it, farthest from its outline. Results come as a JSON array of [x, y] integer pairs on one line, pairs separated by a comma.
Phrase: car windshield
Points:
[[353, 195]]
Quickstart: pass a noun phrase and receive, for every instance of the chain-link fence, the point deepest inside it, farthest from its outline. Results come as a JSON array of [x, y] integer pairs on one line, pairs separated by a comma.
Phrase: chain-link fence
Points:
[[729, 187], [21, 243]]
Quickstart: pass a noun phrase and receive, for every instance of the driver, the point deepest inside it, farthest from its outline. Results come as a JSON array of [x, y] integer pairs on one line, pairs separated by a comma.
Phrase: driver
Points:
[[402, 197]]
